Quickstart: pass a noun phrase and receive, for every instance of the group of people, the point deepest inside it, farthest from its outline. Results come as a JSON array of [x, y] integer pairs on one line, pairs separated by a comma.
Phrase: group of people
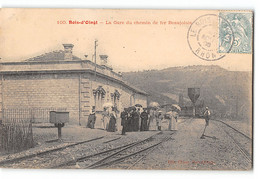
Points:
[[156, 117], [109, 117], [134, 119], [144, 119], [139, 119]]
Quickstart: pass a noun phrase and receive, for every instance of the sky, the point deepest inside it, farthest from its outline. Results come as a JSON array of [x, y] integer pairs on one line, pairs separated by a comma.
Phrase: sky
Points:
[[26, 33]]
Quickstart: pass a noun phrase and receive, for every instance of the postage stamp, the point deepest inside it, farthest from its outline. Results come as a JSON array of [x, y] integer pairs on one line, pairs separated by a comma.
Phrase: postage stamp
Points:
[[241, 24], [203, 38]]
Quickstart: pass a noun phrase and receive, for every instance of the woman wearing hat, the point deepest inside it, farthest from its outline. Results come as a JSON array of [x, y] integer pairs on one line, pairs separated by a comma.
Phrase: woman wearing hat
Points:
[[135, 120], [105, 118], [92, 119], [152, 119], [112, 120], [173, 122], [144, 120], [159, 119]]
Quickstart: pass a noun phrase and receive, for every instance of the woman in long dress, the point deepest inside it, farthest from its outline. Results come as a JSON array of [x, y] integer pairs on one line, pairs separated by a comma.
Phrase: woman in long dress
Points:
[[173, 122], [135, 118], [91, 120], [159, 121], [112, 122], [144, 120], [105, 118], [152, 120]]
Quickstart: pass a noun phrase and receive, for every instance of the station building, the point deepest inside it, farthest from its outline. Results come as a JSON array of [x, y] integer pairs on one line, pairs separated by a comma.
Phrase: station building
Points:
[[60, 80]]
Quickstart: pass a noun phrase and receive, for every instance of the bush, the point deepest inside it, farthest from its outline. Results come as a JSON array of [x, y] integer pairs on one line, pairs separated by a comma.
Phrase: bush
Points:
[[16, 135]]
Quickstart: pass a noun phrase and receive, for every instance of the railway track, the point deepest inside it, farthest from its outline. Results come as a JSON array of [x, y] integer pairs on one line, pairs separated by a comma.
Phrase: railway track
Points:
[[123, 157], [233, 129], [242, 142], [240, 148], [86, 161], [69, 154], [128, 161], [38, 154], [57, 156]]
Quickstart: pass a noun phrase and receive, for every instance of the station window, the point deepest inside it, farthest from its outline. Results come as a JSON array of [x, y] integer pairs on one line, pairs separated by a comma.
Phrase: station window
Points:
[[99, 98]]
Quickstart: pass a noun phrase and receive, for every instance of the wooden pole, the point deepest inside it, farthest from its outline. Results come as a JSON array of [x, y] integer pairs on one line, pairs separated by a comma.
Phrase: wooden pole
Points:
[[95, 59], [59, 131]]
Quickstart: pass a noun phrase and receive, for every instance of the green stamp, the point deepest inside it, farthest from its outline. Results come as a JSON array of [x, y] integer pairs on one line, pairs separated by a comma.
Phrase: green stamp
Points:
[[241, 27]]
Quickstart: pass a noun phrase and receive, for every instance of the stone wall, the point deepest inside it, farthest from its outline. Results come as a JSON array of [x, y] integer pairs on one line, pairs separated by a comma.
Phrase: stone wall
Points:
[[73, 91], [42, 91]]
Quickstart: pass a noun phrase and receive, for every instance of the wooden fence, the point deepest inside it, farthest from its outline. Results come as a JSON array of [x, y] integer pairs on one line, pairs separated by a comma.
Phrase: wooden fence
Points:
[[35, 115], [16, 133]]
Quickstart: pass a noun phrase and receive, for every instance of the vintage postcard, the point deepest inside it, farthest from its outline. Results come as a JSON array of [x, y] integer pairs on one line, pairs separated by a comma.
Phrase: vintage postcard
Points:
[[126, 89]]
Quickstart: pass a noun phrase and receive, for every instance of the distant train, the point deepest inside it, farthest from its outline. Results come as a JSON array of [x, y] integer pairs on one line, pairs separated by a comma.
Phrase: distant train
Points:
[[188, 111]]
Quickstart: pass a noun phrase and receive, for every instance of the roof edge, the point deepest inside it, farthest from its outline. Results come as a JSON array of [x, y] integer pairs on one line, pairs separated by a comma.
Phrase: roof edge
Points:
[[75, 71]]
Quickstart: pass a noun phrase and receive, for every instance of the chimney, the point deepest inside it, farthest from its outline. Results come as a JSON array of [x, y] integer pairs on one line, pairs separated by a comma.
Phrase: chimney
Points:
[[103, 59], [68, 51]]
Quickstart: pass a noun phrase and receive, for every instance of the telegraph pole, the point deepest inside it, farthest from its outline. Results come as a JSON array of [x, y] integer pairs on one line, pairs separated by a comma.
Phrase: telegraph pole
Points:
[[96, 59]]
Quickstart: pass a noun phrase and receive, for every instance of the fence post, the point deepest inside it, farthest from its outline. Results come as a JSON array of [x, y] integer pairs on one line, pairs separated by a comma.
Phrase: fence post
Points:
[[59, 131]]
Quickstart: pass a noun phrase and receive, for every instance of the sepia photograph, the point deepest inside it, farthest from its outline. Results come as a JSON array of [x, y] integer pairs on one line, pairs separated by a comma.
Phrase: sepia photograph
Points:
[[126, 89]]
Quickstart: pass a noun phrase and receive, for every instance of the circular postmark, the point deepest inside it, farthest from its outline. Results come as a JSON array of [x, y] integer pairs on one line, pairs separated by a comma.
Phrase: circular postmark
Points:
[[210, 37]]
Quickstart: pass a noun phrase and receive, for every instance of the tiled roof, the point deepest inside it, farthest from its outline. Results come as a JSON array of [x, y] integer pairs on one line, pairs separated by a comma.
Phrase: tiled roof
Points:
[[52, 56]]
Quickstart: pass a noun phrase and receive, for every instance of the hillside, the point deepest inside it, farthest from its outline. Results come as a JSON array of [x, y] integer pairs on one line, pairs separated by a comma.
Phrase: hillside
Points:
[[227, 93]]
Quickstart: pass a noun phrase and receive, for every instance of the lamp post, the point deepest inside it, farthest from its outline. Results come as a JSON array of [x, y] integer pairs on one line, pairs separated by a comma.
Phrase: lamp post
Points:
[[95, 59]]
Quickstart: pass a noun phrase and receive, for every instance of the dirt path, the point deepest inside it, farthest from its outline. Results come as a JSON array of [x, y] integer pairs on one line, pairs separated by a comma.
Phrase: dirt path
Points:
[[187, 151]]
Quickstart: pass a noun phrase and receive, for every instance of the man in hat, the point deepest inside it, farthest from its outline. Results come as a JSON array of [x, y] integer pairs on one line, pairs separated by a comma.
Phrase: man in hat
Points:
[[138, 110], [124, 118], [206, 115], [92, 119], [129, 120]]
